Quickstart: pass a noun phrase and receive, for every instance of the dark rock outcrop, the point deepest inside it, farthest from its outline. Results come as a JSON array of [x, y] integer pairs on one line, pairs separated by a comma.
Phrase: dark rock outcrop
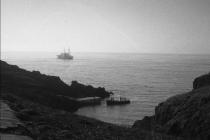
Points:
[[81, 90], [201, 81], [186, 115], [45, 89], [144, 124]]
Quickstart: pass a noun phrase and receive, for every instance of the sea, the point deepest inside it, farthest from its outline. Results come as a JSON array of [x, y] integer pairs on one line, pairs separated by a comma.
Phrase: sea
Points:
[[145, 79]]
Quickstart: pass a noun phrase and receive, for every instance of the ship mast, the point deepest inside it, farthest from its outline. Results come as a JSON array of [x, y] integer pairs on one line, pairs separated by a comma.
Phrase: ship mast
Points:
[[68, 50]]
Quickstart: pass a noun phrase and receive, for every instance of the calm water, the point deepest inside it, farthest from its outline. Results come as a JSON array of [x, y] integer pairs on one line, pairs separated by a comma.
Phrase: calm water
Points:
[[147, 79]]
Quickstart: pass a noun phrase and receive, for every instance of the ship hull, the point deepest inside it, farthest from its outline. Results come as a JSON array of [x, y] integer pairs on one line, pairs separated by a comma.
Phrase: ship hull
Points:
[[66, 57]]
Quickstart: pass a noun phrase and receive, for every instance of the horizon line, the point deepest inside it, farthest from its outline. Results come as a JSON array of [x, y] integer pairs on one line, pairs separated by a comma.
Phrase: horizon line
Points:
[[184, 53]]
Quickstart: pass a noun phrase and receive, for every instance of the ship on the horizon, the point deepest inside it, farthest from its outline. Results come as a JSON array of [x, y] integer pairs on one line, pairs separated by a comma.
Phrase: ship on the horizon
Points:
[[65, 55]]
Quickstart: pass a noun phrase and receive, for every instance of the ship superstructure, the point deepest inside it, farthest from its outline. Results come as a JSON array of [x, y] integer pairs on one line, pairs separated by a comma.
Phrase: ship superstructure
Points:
[[65, 55]]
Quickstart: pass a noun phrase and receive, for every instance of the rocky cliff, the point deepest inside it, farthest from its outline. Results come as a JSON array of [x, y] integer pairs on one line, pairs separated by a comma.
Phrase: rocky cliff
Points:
[[186, 115], [201, 81], [45, 89]]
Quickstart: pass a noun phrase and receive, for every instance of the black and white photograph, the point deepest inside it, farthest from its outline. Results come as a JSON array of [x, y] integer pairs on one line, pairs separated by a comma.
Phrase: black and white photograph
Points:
[[105, 70]]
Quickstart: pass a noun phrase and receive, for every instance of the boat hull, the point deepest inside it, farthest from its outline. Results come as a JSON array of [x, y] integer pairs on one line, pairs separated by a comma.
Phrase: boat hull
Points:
[[65, 58]]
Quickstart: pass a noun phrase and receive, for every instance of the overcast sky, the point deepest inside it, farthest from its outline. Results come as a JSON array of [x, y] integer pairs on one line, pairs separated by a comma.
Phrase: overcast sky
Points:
[[144, 26]]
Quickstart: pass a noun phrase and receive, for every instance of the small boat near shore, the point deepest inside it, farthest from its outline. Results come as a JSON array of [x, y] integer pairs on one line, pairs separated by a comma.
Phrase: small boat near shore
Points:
[[117, 101]]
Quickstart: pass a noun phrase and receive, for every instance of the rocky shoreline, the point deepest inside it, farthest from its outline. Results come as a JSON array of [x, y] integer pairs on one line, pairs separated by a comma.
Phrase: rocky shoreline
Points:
[[36, 87], [45, 123], [44, 105], [185, 115]]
